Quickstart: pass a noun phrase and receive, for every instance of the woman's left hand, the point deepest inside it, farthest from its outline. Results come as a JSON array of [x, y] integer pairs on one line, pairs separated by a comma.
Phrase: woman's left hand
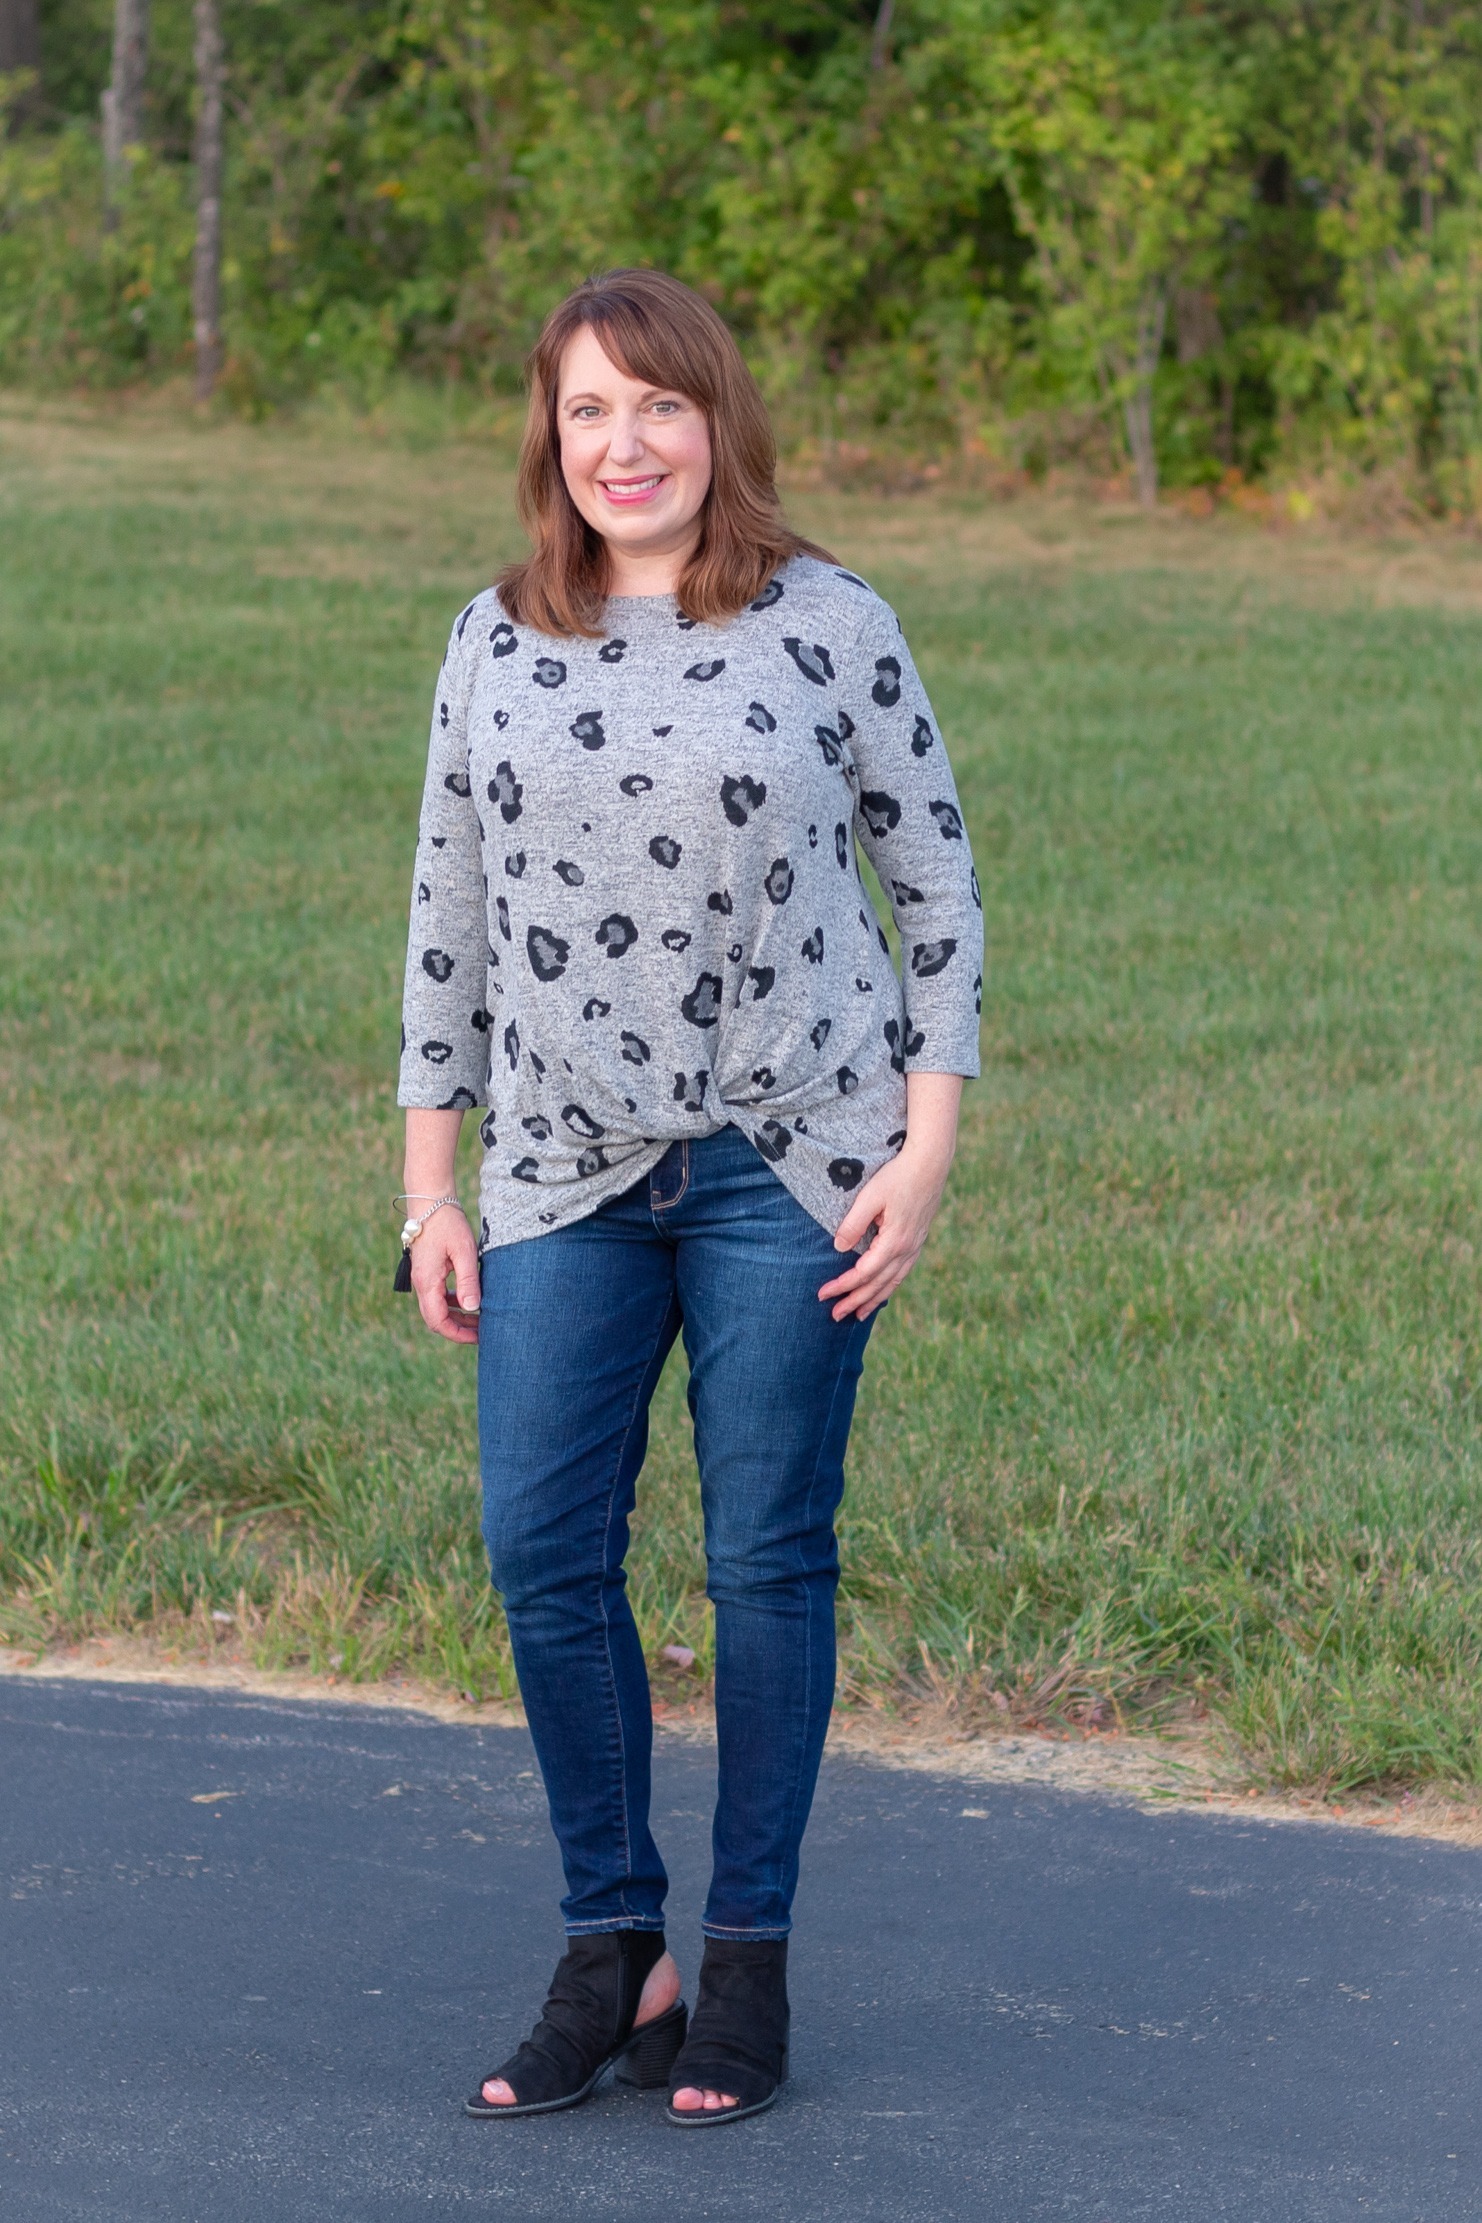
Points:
[[899, 1202]]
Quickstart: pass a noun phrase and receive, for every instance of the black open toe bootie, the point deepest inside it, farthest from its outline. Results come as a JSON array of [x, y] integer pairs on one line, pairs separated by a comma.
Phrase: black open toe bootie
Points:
[[587, 2027], [739, 2031]]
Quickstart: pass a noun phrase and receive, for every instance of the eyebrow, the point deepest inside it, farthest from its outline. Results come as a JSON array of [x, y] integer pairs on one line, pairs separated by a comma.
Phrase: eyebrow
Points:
[[650, 393]]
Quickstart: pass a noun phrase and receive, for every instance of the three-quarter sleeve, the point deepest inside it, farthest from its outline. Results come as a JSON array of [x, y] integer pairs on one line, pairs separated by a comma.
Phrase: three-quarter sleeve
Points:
[[445, 1021], [909, 824]]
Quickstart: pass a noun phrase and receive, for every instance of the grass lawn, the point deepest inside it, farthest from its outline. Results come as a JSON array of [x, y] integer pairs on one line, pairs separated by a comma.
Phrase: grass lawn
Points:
[[1182, 1403]]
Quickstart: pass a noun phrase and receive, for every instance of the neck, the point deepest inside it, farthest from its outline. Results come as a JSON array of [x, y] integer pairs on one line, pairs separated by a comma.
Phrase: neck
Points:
[[641, 571]]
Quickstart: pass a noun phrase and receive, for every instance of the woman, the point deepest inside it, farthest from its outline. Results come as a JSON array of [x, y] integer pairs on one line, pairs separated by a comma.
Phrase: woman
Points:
[[639, 936]]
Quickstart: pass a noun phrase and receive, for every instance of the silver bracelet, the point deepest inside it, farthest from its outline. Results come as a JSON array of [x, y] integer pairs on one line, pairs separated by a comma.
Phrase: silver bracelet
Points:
[[412, 1228]]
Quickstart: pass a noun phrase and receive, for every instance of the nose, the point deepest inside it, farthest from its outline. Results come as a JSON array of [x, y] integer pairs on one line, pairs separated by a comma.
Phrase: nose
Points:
[[625, 448]]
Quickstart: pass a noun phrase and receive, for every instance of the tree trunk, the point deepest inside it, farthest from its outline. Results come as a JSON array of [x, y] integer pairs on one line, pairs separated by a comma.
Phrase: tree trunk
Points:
[[880, 42], [1137, 406], [20, 48], [206, 284], [123, 102]]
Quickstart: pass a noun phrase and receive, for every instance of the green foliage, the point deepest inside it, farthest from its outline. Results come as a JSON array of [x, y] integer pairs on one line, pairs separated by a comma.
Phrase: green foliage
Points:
[[1211, 234]]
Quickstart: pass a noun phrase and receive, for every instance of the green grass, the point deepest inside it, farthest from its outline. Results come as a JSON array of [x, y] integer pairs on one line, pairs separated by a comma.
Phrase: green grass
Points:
[[1183, 1400]]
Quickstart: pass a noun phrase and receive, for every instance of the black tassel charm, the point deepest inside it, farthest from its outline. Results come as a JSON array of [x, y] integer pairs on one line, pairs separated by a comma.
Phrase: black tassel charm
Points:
[[403, 1281]]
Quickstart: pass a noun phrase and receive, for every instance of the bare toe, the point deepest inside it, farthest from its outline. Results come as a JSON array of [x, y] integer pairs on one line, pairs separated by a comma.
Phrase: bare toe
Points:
[[687, 2099], [497, 2093]]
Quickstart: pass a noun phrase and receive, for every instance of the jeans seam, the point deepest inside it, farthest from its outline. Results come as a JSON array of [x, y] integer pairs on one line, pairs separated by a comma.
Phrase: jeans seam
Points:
[[612, 1681], [823, 1439], [667, 1203]]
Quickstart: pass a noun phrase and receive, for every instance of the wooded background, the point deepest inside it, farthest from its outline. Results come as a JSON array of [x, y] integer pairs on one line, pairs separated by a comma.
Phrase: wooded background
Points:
[[1184, 239]]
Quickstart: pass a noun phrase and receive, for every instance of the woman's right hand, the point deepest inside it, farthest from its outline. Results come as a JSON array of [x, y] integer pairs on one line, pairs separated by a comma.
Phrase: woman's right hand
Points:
[[446, 1247]]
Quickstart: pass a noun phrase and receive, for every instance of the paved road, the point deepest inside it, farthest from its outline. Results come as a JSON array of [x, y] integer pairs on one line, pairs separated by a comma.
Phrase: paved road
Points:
[[267, 2004]]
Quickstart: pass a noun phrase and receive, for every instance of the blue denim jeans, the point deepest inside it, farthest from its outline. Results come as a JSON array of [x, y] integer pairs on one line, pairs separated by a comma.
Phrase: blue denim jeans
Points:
[[573, 1333]]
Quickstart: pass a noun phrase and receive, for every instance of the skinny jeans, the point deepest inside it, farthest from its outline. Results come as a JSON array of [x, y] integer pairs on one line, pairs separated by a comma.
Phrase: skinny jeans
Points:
[[574, 1329]]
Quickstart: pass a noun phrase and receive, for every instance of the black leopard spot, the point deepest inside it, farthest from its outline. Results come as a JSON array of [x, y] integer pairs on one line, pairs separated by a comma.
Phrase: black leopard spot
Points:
[[734, 953], [928, 958], [978, 995], [515, 866], [892, 1034], [720, 900], [635, 1049], [846, 726], [778, 883], [661, 733], [442, 716], [572, 874], [880, 938], [587, 729], [440, 841], [481, 1020], [740, 797], [852, 576], [590, 1162], [538, 1127], [595, 1008], [977, 893], [635, 783], [528, 1169], [456, 783], [760, 979], [437, 1053], [949, 825], [710, 670], [487, 1135], [922, 737], [881, 811], [547, 952], [502, 641], [848, 1081], [845, 1173], [506, 791], [763, 1077], [546, 1219], [702, 1005], [814, 663], [760, 718], [772, 1140], [675, 938], [769, 597], [501, 720], [820, 1033], [424, 893], [536, 1067], [616, 934], [897, 1140], [462, 1099], [915, 1041], [887, 688], [841, 845], [686, 624], [468, 613], [512, 1045], [549, 672], [812, 837], [689, 1090], [611, 652], [865, 987], [581, 1122], [829, 742], [905, 894], [665, 851], [812, 949]]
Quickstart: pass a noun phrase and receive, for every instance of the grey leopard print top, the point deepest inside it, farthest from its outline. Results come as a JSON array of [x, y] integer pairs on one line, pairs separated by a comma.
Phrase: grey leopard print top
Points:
[[637, 913]]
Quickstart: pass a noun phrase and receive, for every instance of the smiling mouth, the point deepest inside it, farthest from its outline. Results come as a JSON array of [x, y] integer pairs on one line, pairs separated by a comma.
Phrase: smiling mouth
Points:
[[632, 490]]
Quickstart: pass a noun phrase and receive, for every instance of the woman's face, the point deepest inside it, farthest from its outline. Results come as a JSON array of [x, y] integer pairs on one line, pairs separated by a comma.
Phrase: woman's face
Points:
[[636, 458]]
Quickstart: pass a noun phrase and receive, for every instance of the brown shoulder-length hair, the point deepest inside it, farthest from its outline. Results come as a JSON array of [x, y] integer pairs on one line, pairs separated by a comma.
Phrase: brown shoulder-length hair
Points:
[[656, 329]]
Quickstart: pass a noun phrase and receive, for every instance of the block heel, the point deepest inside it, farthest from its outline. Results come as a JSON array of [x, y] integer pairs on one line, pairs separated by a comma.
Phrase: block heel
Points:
[[652, 2049]]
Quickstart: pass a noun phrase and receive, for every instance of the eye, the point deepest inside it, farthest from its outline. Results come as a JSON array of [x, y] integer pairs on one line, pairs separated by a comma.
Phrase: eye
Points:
[[667, 408]]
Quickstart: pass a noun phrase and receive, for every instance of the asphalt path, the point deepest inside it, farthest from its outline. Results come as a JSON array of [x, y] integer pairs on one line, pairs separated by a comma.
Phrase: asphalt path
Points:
[[253, 1953]]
